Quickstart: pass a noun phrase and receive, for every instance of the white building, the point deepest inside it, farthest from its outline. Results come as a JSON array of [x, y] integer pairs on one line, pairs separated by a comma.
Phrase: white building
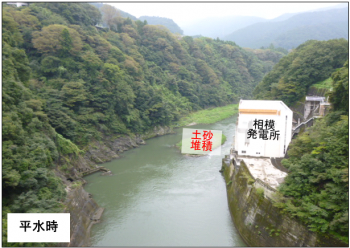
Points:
[[264, 128]]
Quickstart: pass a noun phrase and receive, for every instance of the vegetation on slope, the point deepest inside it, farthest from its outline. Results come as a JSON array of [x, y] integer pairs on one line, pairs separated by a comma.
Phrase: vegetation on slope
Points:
[[318, 182], [208, 116], [310, 63], [325, 84], [152, 20], [67, 83], [168, 23], [269, 55]]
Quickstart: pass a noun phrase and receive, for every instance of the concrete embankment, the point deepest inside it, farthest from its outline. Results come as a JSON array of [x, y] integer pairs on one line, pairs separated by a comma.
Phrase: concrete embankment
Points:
[[257, 220]]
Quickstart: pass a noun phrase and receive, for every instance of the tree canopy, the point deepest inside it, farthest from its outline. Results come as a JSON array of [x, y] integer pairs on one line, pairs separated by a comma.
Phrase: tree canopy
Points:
[[317, 185], [311, 62], [67, 83]]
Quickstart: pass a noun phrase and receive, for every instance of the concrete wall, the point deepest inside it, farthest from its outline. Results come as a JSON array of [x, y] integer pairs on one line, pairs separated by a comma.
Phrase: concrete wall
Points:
[[258, 221]]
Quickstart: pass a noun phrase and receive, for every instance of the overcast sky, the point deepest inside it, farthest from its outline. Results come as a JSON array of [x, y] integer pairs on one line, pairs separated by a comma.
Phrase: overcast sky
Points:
[[185, 13]]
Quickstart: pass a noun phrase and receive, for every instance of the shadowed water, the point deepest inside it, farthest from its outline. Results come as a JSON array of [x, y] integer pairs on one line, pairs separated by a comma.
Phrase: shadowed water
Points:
[[159, 197]]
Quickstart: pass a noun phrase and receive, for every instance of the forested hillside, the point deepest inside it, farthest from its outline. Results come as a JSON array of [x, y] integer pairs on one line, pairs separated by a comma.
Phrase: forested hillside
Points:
[[67, 82], [316, 188], [153, 20], [168, 23], [290, 33], [311, 62], [120, 12]]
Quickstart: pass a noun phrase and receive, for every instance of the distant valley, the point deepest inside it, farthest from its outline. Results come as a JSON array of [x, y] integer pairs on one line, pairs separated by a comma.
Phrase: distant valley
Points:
[[287, 31], [290, 33], [219, 27]]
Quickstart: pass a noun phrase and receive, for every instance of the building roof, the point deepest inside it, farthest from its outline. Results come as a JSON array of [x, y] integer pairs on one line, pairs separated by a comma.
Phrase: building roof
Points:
[[263, 104], [315, 98]]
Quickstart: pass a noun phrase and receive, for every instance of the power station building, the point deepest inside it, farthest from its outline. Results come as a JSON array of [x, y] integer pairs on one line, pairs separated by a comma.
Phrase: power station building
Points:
[[264, 128]]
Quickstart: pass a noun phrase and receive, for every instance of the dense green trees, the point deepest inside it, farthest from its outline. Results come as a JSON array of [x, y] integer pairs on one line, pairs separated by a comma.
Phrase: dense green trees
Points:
[[318, 178], [310, 63], [317, 186], [169, 23], [339, 95], [28, 148], [109, 13], [67, 83], [57, 40], [82, 14]]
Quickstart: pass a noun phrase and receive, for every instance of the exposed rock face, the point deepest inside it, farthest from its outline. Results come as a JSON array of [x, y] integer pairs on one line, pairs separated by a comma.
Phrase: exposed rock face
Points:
[[157, 131], [82, 208], [258, 221], [100, 152]]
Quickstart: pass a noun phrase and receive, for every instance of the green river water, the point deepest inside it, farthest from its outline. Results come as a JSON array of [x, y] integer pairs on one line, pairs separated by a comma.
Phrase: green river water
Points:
[[159, 197]]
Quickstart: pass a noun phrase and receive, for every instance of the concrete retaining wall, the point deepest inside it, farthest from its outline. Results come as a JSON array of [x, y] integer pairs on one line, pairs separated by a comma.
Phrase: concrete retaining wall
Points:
[[258, 221]]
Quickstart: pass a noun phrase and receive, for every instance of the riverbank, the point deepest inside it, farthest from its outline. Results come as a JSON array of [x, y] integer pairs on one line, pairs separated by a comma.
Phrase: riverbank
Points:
[[158, 197], [111, 147], [208, 116], [84, 208], [256, 218]]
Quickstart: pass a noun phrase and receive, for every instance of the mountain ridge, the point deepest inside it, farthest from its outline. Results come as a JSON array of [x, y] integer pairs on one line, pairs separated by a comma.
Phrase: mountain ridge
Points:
[[265, 33], [214, 27], [167, 22]]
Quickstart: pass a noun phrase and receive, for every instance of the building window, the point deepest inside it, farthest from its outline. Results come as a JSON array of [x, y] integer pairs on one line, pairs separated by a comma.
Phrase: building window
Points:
[[258, 153], [243, 151]]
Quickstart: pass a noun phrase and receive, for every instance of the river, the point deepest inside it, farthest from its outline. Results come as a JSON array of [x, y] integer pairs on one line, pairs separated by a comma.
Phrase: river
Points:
[[159, 197]]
